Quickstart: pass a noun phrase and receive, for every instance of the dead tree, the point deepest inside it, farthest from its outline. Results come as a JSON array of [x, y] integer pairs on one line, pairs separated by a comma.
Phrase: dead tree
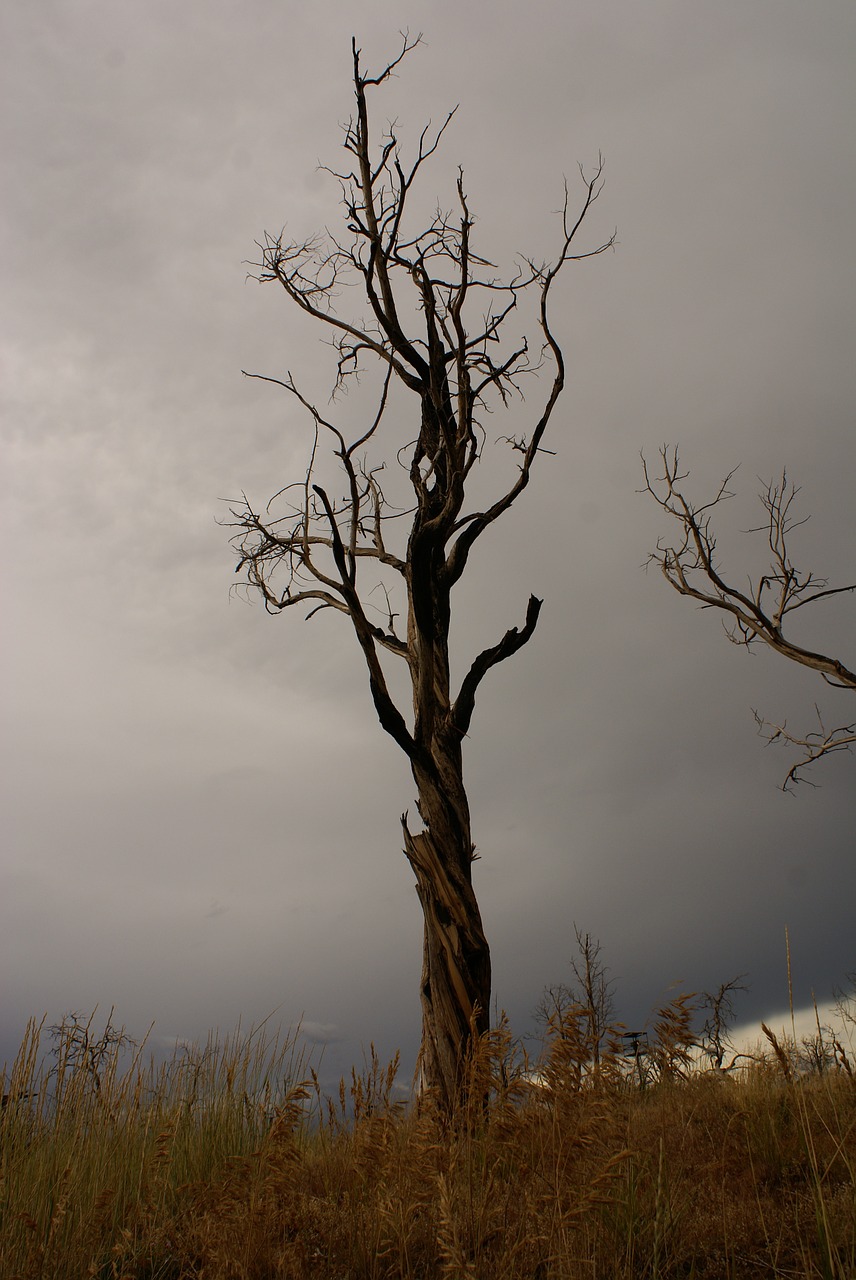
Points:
[[434, 333], [715, 1040], [588, 1001], [759, 612]]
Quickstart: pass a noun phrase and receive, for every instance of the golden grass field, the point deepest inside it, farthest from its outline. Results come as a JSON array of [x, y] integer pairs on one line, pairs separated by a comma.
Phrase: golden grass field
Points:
[[228, 1162]]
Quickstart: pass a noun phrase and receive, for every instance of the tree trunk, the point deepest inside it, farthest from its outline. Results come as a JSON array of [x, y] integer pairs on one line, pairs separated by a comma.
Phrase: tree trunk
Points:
[[456, 981]]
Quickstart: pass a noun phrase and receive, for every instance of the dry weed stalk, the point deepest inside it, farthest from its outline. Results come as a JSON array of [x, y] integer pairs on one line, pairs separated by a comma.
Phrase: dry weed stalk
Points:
[[674, 1039], [453, 1257], [781, 1056]]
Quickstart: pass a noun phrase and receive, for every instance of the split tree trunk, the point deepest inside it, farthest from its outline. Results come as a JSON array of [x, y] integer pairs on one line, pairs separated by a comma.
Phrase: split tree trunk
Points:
[[455, 987], [456, 981]]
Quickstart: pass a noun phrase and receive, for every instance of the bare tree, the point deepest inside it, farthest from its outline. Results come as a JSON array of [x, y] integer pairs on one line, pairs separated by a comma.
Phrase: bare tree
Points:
[[82, 1056], [588, 1001], [758, 613], [715, 1041], [433, 329]]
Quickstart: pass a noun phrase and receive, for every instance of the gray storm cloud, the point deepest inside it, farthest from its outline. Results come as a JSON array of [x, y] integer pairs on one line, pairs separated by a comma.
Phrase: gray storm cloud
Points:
[[201, 813]]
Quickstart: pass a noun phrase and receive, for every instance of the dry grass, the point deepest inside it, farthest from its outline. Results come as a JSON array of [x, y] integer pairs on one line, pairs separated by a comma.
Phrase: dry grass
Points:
[[227, 1163]]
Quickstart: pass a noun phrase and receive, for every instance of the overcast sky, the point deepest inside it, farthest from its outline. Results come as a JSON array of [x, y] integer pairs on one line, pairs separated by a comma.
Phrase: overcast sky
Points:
[[200, 811]]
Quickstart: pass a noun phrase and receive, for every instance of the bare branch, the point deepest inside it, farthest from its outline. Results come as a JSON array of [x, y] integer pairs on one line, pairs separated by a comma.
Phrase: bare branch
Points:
[[691, 567], [544, 277], [407, 44], [814, 746], [511, 642]]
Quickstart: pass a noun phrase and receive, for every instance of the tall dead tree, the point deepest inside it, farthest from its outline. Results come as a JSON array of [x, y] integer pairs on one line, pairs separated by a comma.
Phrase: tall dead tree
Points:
[[434, 331], [759, 612]]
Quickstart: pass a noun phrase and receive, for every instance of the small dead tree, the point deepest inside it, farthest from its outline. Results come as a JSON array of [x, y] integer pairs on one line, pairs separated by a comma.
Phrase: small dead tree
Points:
[[588, 1000], [434, 330], [759, 612], [715, 1041], [83, 1057]]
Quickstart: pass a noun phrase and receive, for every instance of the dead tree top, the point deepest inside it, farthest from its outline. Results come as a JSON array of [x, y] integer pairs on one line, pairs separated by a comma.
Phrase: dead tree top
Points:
[[435, 324]]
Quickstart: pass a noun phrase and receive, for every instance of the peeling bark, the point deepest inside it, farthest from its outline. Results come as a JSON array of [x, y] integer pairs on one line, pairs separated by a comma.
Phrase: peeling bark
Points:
[[455, 982]]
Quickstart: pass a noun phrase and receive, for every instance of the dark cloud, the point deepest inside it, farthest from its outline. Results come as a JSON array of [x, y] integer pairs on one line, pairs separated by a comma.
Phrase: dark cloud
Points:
[[201, 813]]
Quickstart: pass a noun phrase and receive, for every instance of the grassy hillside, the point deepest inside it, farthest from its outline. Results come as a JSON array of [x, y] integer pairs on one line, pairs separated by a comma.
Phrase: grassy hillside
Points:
[[229, 1162]]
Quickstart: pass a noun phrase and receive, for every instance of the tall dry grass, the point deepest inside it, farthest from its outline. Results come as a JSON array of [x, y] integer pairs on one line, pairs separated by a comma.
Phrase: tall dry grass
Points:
[[230, 1163]]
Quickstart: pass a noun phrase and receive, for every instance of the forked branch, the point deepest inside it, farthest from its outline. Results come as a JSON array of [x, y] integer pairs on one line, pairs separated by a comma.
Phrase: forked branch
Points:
[[812, 747], [511, 642], [758, 613]]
